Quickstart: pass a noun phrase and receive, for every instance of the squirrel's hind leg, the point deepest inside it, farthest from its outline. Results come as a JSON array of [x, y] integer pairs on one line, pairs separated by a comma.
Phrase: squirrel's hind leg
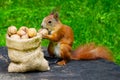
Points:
[[65, 52]]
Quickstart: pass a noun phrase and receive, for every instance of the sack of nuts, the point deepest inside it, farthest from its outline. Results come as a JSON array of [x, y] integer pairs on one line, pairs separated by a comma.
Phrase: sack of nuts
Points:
[[24, 50]]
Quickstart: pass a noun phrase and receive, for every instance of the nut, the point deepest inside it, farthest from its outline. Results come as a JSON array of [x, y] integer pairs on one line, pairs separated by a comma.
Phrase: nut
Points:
[[11, 30], [43, 31], [32, 32], [21, 32], [15, 36], [24, 28], [25, 36]]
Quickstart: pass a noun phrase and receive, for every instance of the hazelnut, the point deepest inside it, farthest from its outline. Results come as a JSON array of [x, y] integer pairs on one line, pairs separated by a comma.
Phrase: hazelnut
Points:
[[32, 32], [11, 30]]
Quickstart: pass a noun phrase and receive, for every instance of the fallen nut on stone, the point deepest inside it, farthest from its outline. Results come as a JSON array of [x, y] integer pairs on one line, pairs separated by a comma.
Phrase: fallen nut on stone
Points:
[[11, 30], [43, 31], [32, 32], [15, 36]]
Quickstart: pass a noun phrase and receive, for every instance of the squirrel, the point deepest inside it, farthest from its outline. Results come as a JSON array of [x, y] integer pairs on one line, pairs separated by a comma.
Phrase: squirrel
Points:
[[61, 39]]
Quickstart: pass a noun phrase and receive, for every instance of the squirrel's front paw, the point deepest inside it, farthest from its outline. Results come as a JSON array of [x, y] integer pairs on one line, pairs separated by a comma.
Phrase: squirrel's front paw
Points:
[[44, 36]]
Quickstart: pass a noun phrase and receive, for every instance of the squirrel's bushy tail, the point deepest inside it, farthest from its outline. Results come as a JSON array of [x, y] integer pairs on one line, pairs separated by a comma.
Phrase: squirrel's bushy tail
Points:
[[91, 52]]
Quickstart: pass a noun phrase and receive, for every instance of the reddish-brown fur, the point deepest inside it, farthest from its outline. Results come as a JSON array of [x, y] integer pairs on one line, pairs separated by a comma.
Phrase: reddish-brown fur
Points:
[[91, 51], [62, 36]]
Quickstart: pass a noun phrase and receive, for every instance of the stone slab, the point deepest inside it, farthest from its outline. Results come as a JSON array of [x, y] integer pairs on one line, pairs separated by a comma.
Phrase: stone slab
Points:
[[74, 70]]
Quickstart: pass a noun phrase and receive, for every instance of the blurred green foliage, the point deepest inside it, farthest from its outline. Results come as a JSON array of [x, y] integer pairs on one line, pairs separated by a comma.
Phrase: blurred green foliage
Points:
[[91, 20]]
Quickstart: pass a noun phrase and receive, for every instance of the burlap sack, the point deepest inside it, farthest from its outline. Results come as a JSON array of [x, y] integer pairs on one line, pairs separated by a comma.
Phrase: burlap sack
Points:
[[26, 55]]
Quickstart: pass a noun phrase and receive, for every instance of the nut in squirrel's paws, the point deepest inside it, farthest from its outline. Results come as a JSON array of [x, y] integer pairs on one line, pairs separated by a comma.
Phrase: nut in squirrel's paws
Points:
[[43, 32]]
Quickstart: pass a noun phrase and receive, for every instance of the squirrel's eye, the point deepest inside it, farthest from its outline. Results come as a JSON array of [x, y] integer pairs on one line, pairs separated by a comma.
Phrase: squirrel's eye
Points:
[[49, 21]]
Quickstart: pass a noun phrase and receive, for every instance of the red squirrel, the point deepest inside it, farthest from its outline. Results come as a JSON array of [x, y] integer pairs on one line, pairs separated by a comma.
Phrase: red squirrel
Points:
[[61, 39]]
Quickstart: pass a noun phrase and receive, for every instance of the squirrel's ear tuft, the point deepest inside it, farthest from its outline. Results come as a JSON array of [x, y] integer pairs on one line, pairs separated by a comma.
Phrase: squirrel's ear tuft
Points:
[[55, 14]]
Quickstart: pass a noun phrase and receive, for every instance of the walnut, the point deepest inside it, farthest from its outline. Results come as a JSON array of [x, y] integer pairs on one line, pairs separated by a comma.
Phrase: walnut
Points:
[[43, 31], [21, 32], [32, 32], [11, 30], [24, 28]]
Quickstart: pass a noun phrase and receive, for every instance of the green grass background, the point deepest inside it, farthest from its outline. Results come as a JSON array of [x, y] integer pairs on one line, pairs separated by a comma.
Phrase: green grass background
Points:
[[91, 20]]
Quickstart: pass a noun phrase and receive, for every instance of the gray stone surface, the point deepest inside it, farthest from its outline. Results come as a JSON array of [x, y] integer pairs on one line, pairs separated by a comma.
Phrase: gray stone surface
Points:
[[74, 70]]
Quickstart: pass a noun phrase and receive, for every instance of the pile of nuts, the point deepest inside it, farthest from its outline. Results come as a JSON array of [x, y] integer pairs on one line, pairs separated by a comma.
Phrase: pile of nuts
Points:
[[23, 33]]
